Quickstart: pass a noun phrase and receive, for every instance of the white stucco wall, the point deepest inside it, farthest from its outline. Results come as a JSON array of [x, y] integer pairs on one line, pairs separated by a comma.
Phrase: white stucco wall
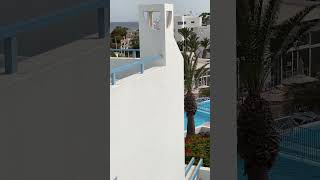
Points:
[[204, 173], [147, 120], [190, 21]]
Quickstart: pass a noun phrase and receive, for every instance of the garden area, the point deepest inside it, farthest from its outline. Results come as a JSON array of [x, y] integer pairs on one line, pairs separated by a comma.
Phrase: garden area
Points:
[[198, 146]]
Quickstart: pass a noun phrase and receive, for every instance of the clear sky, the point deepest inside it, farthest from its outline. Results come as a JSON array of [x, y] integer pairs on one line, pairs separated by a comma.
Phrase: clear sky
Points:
[[127, 10]]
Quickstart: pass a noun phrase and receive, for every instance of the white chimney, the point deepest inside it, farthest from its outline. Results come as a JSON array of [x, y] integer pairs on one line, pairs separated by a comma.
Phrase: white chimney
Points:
[[155, 26]]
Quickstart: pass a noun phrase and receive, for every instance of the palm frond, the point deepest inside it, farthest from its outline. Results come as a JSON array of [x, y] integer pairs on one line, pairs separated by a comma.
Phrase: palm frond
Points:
[[261, 41]]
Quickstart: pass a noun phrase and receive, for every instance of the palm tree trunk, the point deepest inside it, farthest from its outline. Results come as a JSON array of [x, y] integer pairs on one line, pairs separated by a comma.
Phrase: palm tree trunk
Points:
[[190, 107], [190, 125], [255, 172], [204, 53]]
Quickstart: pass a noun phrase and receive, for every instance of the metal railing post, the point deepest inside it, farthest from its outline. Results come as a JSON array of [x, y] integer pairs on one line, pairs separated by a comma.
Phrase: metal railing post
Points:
[[10, 53], [113, 78], [141, 68], [134, 54]]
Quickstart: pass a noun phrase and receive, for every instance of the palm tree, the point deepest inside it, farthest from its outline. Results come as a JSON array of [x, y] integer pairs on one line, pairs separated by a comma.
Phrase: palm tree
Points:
[[260, 44], [180, 45], [205, 18], [191, 75], [205, 43], [185, 33]]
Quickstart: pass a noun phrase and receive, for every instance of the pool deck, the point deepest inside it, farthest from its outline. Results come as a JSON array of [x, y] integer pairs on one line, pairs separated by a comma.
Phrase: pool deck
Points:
[[204, 128]]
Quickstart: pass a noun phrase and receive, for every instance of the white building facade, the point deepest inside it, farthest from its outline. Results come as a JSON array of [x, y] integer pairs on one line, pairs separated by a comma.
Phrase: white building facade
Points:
[[192, 22], [147, 110]]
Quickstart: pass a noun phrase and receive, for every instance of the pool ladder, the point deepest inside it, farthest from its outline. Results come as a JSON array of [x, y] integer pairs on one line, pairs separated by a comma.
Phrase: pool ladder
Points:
[[191, 171]]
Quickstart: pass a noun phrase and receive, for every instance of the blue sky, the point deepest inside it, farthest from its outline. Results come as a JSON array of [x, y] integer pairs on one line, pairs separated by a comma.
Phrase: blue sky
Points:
[[126, 10]]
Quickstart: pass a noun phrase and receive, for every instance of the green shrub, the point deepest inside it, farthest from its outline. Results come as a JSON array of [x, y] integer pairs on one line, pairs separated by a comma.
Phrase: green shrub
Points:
[[198, 146]]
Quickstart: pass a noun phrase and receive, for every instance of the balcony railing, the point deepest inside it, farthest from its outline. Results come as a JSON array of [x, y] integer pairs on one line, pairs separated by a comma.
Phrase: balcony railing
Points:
[[9, 33], [299, 142], [131, 65], [193, 174], [127, 52]]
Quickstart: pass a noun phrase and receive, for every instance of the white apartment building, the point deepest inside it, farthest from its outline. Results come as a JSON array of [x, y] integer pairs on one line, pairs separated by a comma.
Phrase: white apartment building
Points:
[[193, 22]]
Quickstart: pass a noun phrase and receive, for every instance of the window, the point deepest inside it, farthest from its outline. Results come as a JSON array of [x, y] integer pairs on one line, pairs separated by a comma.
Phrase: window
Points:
[[295, 62], [184, 22], [180, 23], [152, 18], [304, 60], [315, 63], [192, 22], [315, 37], [287, 69]]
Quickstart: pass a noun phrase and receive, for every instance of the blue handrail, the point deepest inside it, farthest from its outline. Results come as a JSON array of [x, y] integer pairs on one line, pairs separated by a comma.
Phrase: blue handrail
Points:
[[188, 167], [9, 32], [197, 170], [125, 67]]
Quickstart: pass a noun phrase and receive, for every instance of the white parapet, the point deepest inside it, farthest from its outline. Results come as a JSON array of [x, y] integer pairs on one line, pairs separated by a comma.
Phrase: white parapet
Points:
[[155, 29], [147, 111]]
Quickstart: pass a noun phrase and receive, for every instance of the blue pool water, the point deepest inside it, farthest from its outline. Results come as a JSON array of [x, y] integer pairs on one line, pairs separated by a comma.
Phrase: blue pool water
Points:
[[202, 115], [287, 167]]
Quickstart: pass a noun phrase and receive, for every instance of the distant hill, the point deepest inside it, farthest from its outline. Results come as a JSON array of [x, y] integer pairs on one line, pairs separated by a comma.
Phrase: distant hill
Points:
[[132, 26]]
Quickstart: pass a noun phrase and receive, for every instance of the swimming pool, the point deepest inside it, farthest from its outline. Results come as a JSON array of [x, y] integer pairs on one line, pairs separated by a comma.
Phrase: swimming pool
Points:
[[287, 169], [202, 115], [299, 156], [302, 142]]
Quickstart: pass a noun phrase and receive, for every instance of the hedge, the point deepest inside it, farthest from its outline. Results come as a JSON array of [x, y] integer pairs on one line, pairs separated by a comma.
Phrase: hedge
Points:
[[198, 146]]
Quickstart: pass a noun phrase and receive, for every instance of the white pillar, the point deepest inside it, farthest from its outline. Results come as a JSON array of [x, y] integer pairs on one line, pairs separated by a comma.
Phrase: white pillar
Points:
[[281, 70], [297, 60], [224, 92], [292, 62]]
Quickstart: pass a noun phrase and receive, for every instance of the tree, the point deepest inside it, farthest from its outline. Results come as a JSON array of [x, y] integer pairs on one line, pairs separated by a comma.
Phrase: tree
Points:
[[191, 75], [118, 33], [205, 43], [205, 18], [260, 43], [185, 33], [180, 45], [135, 41]]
